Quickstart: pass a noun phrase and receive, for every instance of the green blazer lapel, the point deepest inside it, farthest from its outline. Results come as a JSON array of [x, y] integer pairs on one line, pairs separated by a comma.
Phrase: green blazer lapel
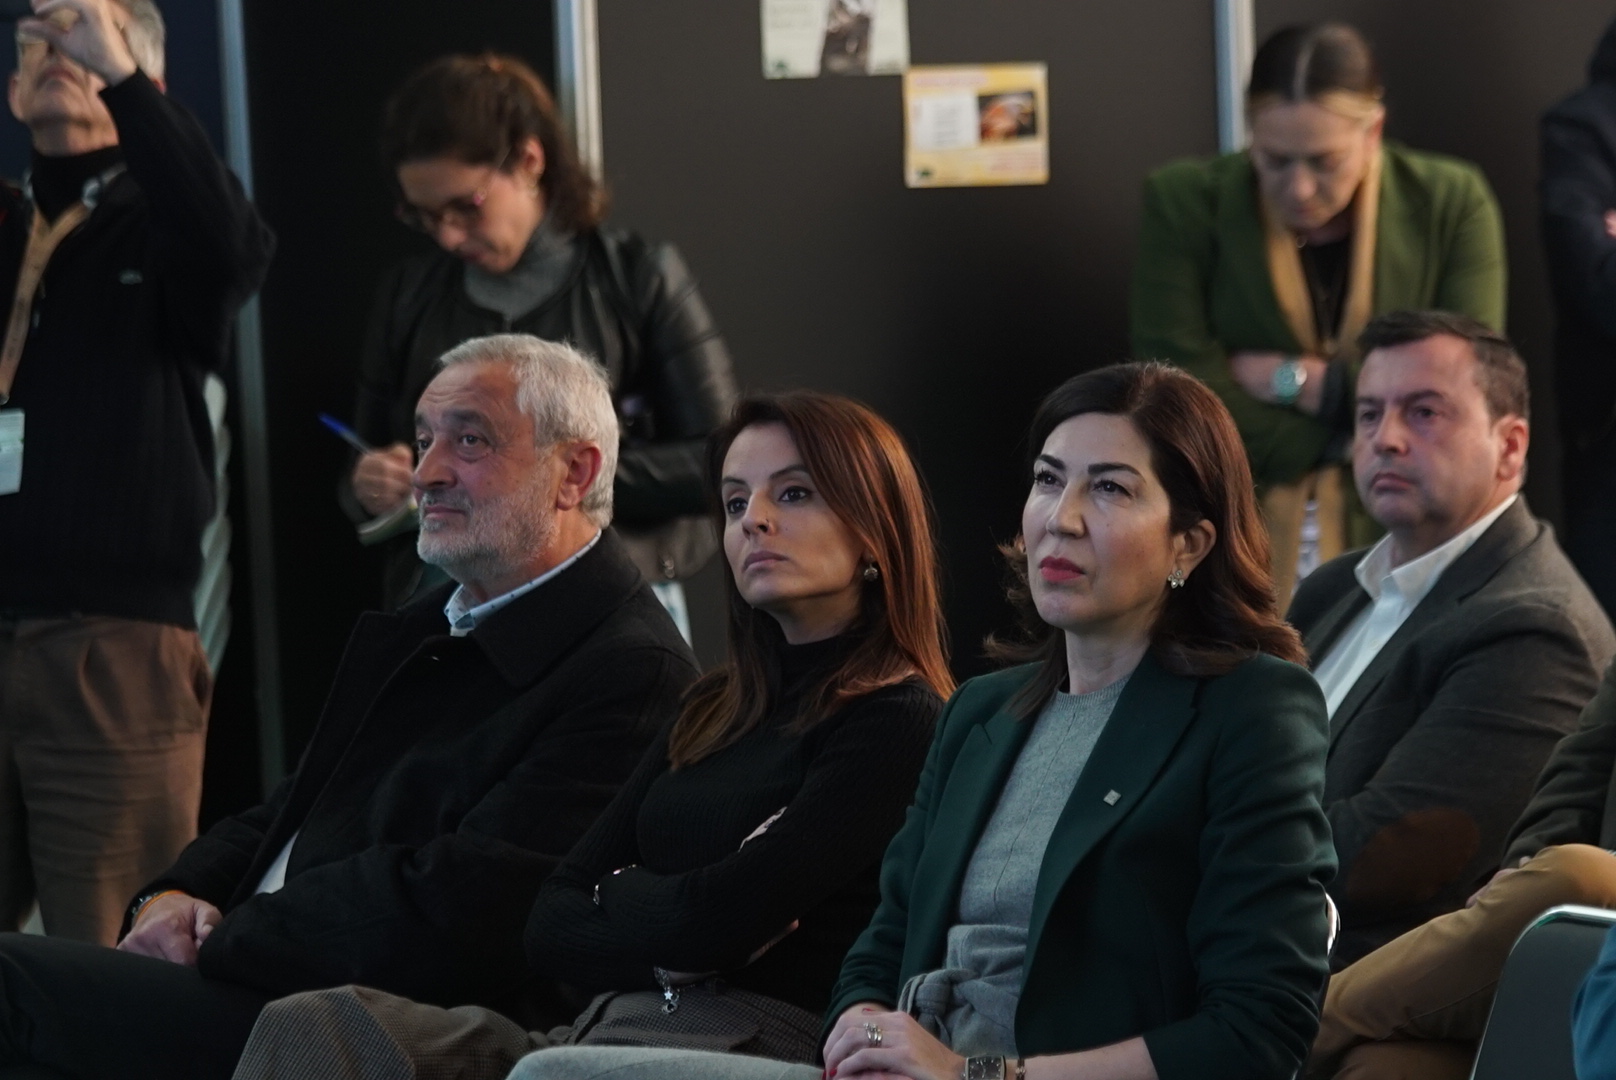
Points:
[[1243, 256], [1149, 719], [971, 794]]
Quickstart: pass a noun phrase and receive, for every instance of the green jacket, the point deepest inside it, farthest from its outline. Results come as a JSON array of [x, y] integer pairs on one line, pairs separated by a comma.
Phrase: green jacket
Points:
[[1182, 893], [1201, 288]]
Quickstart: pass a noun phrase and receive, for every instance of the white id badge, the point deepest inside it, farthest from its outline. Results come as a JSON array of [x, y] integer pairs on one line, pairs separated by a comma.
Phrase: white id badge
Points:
[[10, 451]]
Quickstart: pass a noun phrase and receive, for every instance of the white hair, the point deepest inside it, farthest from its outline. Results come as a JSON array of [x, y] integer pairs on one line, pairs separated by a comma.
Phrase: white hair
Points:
[[145, 35], [566, 395]]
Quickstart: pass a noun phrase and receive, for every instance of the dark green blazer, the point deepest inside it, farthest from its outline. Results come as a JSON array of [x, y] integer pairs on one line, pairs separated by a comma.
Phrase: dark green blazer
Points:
[[1201, 287], [1182, 894]]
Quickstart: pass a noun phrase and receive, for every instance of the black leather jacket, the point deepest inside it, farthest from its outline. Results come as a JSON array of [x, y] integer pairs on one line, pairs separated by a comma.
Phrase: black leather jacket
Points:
[[631, 304]]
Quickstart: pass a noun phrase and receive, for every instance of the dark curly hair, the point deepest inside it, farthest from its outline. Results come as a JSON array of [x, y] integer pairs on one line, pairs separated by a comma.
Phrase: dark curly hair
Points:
[[481, 110]]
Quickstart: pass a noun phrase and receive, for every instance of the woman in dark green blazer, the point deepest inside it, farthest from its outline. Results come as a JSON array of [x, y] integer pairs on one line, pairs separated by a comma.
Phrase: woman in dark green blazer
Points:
[[1178, 924], [1116, 861], [1256, 270]]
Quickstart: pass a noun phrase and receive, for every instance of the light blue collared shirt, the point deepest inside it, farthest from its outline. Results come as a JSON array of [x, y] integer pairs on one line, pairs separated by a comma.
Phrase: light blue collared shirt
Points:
[[463, 619]]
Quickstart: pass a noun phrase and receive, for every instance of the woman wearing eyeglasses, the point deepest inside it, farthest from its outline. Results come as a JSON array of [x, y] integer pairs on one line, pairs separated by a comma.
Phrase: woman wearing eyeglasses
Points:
[[1257, 269], [482, 165]]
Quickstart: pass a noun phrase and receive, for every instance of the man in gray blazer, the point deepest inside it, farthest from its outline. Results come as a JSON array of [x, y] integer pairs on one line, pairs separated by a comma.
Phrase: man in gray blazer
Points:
[[1457, 651]]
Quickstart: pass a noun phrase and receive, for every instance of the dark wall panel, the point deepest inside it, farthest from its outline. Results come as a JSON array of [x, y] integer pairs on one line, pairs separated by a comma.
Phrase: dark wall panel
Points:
[[319, 73], [950, 311], [1471, 77]]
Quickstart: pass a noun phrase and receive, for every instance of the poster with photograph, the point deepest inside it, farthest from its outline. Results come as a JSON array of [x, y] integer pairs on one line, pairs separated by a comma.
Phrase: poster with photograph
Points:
[[976, 126], [803, 39]]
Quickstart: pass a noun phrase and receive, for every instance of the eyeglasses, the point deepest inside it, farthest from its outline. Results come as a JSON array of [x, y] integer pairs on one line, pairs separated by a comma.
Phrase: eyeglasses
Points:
[[463, 211]]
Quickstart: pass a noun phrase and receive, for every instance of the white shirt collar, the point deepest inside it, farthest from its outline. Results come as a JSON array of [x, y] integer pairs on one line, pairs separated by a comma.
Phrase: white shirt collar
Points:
[[1417, 577], [463, 618]]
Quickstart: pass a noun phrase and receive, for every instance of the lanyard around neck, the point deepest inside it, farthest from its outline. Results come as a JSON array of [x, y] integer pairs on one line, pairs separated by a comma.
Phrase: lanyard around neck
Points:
[[43, 241]]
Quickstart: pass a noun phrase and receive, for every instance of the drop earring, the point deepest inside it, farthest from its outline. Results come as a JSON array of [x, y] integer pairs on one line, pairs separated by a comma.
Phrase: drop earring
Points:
[[872, 573], [1175, 580]]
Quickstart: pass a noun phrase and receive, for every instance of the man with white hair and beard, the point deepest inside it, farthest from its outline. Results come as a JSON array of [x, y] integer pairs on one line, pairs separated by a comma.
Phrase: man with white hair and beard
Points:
[[456, 762]]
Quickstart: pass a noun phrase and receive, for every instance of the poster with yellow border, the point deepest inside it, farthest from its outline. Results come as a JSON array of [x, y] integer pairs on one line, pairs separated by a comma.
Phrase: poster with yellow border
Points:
[[976, 125]]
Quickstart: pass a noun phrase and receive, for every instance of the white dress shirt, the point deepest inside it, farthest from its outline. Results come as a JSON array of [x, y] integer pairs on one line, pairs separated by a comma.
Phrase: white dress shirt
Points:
[[462, 621], [1394, 593]]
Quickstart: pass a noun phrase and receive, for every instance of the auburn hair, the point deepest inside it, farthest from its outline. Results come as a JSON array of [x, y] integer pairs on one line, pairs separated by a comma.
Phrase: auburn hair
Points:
[[1227, 611], [480, 110], [863, 471]]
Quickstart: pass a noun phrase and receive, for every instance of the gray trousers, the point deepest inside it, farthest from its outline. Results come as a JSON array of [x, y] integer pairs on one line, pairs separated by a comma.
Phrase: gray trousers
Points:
[[636, 1063], [356, 1033]]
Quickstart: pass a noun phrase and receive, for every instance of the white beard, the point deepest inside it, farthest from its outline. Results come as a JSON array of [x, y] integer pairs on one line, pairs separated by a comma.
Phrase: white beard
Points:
[[499, 534]]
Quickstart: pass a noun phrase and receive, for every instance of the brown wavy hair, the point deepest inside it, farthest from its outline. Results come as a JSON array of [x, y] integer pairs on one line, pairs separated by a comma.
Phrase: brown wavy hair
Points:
[[1227, 611], [480, 110], [865, 475]]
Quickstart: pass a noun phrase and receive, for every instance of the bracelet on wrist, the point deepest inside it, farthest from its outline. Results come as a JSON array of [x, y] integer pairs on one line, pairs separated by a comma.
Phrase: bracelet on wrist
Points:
[[993, 1067], [1288, 379], [144, 902]]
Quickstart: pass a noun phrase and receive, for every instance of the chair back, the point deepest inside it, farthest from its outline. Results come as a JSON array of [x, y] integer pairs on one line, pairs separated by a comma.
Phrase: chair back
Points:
[[1528, 1032]]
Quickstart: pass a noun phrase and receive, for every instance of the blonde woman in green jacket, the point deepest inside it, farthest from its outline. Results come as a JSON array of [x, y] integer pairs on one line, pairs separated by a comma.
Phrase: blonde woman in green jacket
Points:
[[1256, 270]]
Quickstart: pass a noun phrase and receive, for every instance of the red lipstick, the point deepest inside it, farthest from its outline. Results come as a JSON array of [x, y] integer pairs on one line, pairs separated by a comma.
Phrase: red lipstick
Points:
[[1057, 570]]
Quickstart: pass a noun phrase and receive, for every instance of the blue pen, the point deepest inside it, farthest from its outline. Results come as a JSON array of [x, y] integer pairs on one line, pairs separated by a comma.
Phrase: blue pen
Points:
[[346, 433]]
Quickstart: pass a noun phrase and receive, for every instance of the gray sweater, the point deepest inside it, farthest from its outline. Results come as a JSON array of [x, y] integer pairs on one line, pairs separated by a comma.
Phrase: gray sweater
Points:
[[972, 1001]]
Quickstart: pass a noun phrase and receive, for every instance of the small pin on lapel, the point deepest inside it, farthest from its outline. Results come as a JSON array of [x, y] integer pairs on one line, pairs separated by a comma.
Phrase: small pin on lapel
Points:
[[1111, 797]]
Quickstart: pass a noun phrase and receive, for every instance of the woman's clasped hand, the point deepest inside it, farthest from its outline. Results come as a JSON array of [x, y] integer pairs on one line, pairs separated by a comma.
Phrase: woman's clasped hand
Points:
[[869, 1041]]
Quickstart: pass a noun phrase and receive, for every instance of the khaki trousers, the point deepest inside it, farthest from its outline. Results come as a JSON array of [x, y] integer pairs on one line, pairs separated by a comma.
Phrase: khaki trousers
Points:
[[102, 726], [1284, 508], [1416, 1007]]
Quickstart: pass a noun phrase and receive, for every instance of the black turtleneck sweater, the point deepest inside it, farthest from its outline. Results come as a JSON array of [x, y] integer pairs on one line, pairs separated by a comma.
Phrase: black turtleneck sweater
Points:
[[135, 309], [58, 182], [697, 900]]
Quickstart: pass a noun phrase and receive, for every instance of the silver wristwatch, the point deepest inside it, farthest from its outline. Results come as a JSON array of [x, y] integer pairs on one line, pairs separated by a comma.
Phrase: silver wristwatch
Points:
[[994, 1068], [1289, 378]]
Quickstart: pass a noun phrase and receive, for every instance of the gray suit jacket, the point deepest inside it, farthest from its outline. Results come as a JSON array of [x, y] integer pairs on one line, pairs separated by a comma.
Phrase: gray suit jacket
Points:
[[1434, 750]]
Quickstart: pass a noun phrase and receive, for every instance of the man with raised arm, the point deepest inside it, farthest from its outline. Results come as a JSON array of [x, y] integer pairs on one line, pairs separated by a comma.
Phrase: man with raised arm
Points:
[[123, 261]]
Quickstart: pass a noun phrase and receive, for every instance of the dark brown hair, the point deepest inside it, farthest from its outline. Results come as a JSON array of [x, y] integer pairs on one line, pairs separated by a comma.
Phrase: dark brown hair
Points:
[[1305, 63], [1500, 371], [1226, 612], [481, 110], [864, 473]]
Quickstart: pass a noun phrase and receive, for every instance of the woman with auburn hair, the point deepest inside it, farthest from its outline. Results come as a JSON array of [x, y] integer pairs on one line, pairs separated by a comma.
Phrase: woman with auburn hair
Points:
[[1115, 864], [711, 904]]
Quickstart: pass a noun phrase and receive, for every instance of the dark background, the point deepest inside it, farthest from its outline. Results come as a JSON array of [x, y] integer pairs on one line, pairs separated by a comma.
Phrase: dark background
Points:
[[950, 311], [318, 75]]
